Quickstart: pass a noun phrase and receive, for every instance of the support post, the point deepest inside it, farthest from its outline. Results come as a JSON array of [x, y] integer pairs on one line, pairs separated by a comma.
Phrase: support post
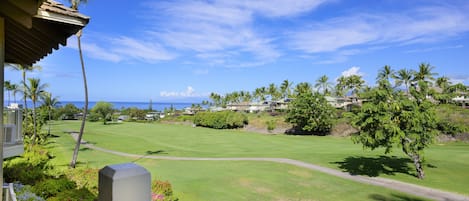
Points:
[[124, 182], [2, 71]]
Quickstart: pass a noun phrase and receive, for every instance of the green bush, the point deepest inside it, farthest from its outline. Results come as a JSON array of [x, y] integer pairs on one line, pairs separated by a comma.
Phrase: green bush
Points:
[[220, 120], [29, 168], [271, 125], [52, 187], [162, 190], [449, 128], [84, 178], [81, 194]]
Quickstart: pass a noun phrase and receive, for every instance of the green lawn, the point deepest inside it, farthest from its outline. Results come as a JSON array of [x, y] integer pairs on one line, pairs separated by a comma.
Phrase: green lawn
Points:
[[202, 180]]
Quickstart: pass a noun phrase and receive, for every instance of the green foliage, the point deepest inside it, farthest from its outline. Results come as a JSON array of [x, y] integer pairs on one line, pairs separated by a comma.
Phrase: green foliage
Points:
[[28, 168], [32, 169], [103, 110], [68, 111], [390, 118], [81, 194], [162, 190], [310, 112], [134, 113], [85, 178], [452, 119], [271, 125], [220, 120], [51, 187]]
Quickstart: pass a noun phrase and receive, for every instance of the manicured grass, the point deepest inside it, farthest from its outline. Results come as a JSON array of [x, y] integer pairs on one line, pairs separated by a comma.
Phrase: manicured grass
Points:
[[446, 164]]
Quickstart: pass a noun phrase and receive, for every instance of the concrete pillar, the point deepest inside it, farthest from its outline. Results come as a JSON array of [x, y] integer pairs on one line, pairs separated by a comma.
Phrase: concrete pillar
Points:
[[124, 182]]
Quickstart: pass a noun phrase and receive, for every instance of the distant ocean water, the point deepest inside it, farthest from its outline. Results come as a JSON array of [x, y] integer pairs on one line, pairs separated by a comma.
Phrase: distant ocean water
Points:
[[159, 106]]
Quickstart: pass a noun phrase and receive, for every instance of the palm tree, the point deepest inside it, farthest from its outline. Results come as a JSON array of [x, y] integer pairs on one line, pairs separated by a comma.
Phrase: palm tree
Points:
[[443, 83], [50, 103], [34, 91], [285, 89], [75, 4], [425, 73], [303, 87], [404, 76], [8, 87], [355, 83], [323, 84], [216, 98], [24, 69], [341, 86], [385, 73], [260, 93], [273, 92]]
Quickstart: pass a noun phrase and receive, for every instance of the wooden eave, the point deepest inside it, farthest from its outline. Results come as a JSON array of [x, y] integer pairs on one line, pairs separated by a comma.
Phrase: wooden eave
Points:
[[33, 29]]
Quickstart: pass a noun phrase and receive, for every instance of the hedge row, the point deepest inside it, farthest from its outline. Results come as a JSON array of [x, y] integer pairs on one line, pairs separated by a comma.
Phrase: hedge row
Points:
[[220, 120]]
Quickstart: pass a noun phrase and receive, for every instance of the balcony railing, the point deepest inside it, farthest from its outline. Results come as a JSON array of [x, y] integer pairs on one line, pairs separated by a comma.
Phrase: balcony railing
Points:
[[12, 132], [9, 192]]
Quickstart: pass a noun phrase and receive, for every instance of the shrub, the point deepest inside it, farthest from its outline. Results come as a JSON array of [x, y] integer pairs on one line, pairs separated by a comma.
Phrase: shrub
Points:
[[51, 187], [84, 178], [80, 194], [271, 125], [162, 191], [29, 168], [220, 120]]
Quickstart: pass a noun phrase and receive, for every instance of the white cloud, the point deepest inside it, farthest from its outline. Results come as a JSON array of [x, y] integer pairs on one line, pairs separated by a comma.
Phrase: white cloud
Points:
[[211, 27], [189, 92], [455, 79], [352, 71], [416, 26]]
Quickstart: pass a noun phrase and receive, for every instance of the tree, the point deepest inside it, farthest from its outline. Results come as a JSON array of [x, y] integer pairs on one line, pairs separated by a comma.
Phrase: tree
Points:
[[9, 87], [260, 93], [74, 6], [404, 76], [385, 73], [303, 87], [50, 103], [391, 118], [285, 89], [103, 110], [354, 83], [323, 84], [424, 73], [216, 98], [311, 112], [24, 69], [34, 91], [272, 90], [341, 86]]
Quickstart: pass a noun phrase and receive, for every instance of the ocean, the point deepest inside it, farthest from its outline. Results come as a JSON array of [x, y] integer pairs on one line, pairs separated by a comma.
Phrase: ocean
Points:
[[159, 106]]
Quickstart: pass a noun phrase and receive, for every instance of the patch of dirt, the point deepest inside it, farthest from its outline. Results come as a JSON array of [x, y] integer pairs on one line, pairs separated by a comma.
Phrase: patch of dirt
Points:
[[462, 137], [343, 129], [263, 130]]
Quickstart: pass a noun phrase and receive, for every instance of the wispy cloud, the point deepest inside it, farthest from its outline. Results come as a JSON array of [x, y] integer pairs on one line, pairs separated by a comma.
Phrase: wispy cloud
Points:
[[459, 79], [189, 92], [415, 26], [123, 48], [210, 27]]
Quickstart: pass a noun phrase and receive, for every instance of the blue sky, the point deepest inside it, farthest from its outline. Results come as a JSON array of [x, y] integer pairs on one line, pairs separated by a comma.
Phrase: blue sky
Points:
[[183, 50]]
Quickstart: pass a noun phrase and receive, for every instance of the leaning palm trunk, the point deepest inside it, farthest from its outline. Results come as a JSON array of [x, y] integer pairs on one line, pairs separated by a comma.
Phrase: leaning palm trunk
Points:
[[85, 108]]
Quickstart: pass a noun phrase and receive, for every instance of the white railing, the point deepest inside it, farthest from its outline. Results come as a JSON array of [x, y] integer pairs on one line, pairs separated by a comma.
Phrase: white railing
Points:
[[9, 192]]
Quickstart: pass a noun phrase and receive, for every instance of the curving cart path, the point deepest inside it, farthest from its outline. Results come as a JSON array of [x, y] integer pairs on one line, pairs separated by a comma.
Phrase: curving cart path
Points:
[[412, 189]]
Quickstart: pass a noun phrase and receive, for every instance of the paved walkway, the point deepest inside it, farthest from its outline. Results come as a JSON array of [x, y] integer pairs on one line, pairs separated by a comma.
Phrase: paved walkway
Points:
[[412, 189]]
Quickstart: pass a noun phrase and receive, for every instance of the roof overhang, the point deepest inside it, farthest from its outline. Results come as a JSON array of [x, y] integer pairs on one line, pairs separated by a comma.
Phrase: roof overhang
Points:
[[33, 28]]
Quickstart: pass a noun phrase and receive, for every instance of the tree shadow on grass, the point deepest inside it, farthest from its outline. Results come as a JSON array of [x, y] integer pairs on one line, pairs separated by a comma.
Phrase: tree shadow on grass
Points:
[[156, 152], [373, 167], [393, 197]]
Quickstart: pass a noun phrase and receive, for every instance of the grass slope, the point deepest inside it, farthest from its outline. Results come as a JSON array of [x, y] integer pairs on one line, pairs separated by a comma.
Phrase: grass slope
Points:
[[266, 181]]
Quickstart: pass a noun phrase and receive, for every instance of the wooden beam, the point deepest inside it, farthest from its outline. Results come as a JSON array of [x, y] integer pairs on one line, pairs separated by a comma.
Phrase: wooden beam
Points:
[[14, 13], [28, 6], [2, 65]]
